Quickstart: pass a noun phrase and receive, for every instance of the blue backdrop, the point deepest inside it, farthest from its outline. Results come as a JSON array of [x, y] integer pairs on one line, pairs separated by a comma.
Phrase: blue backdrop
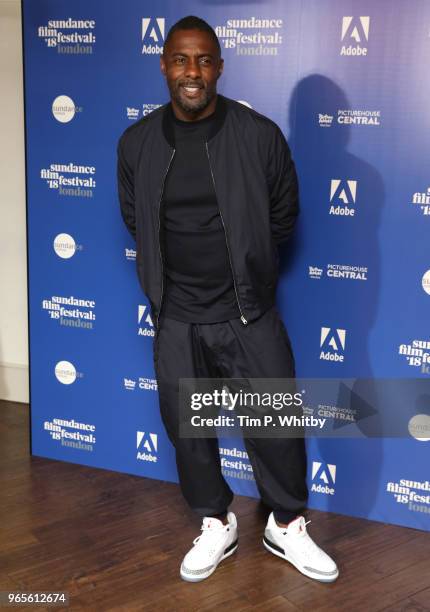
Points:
[[348, 84]]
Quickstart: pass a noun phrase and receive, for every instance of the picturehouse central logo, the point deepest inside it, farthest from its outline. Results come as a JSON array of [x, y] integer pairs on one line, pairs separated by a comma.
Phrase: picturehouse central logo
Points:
[[145, 384], [357, 117], [355, 35], [325, 120], [134, 113], [130, 254], [339, 271]]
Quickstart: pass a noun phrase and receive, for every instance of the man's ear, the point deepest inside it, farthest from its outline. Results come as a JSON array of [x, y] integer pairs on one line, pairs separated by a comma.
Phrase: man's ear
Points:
[[221, 67], [162, 65]]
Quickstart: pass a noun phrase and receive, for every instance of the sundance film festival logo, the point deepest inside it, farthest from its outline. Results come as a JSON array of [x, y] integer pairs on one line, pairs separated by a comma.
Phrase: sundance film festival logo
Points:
[[147, 446], [413, 494], [252, 36], [354, 35], [65, 246], [323, 477], [65, 373], [71, 311], [72, 433], [153, 29], [332, 342], [235, 464], [64, 109], [144, 321], [343, 196], [421, 199], [69, 36], [417, 354], [419, 427], [70, 179], [425, 282]]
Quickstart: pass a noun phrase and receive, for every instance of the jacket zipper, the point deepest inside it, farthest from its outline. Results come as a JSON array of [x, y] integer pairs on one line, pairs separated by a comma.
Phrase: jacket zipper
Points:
[[159, 233], [242, 318]]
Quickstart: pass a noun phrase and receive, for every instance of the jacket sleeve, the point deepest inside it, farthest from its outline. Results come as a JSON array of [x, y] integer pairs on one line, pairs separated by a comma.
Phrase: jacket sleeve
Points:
[[283, 189], [126, 188]]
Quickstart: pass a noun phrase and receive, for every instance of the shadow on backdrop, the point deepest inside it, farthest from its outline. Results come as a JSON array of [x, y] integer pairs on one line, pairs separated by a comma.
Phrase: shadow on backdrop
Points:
[[322, 154]]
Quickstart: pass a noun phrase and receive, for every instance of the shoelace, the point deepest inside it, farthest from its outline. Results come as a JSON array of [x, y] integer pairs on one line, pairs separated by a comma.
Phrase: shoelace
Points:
[[206, 538], [302, 532], [308, 545]]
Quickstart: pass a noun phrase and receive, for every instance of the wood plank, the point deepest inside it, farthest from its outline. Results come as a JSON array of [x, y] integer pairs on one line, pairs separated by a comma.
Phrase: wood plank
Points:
[[115, 542]]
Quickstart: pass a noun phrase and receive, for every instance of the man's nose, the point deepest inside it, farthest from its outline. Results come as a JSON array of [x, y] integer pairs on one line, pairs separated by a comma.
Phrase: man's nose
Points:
[[192, 69]]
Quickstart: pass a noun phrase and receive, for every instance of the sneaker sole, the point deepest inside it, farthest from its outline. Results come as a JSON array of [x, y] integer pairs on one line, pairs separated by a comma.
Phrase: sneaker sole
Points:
[[277, 551], [191, 578]]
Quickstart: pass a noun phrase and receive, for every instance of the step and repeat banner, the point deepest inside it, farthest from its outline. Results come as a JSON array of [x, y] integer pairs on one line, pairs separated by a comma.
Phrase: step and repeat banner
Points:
[[347, 82]]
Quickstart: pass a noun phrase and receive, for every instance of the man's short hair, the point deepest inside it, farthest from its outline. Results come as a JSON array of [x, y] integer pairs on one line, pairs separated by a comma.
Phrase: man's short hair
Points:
[[193, 23]]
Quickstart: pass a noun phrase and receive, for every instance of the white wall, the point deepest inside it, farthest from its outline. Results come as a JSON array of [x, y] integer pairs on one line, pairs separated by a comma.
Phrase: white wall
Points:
[[13, 266]]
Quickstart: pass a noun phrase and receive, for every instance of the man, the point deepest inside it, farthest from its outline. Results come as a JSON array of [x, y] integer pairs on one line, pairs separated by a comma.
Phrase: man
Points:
[[208, 189]]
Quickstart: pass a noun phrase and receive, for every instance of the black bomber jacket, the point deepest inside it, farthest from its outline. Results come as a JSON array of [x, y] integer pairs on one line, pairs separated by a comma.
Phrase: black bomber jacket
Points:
[[256, 188]]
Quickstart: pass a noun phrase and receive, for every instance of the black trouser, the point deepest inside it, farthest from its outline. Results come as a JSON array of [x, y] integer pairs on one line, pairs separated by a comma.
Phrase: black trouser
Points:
[[260, 349]]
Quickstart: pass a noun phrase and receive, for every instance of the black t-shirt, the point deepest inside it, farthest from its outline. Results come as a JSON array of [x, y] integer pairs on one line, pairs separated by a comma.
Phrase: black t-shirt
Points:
[[199, 283]]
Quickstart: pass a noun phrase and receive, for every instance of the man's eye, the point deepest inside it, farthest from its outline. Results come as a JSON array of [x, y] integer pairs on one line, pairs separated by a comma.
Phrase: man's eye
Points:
[[179, 60], [205, 60]]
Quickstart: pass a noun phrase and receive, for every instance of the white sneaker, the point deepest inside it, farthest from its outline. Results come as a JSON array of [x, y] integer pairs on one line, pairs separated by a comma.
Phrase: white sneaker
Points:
[[294, 544], [216, 542]]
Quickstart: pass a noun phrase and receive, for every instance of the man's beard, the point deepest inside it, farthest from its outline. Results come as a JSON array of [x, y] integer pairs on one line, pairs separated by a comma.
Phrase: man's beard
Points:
[[189, 105]]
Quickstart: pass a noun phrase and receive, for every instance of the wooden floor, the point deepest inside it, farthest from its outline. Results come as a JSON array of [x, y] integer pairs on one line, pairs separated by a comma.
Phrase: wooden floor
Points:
[[115, 542]]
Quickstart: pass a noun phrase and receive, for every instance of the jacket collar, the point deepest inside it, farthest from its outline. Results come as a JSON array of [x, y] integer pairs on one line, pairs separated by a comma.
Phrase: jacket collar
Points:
[[219, 118]]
